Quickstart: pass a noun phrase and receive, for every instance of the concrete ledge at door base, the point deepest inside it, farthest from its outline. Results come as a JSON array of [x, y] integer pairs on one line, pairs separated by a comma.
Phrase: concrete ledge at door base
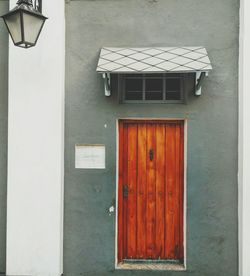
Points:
[[150, 266]]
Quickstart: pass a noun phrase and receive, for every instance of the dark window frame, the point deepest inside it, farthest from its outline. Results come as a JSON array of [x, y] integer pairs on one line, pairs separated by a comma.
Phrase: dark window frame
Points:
[[164, 76]]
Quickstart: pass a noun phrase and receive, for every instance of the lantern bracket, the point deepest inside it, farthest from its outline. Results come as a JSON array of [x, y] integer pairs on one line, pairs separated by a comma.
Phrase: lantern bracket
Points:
[[26, 2], [37, 4], [107, 89]]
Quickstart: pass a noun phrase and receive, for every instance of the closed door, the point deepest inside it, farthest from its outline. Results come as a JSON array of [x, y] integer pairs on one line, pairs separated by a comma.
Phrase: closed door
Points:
[[150, 195]]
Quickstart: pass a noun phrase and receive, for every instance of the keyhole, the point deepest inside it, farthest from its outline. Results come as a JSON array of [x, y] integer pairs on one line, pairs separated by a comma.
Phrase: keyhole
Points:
[[151, 154]]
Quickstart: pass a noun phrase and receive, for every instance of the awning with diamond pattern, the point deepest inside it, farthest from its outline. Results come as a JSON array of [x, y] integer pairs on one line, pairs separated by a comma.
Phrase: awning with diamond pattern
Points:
[[153, 60]]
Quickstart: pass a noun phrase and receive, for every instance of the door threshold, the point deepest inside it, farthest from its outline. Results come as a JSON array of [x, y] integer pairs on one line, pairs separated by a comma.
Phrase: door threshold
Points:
[[151, 265], [154, 261]]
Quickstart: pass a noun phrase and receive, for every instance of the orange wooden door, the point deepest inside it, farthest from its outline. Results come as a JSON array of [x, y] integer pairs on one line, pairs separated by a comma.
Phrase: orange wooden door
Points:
[[150, 195]]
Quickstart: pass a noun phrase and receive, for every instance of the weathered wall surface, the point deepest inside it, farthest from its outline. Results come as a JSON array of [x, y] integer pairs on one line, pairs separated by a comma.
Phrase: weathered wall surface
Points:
[[89, 237], [3, 131]]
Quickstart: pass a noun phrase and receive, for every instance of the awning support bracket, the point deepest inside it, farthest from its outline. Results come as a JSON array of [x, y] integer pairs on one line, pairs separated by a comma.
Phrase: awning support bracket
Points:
[[106, 77], [200, 76]]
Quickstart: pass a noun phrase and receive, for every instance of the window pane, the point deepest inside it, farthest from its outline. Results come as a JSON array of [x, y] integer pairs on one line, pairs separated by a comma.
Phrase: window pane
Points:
[[154, 96], [133, 96], [173, 75], [173, 84], [14, 24], [154, 75], [154, 89], [32, 27], [133, 85], [133, 89], [173, 95], [133, 76], [154, 85]]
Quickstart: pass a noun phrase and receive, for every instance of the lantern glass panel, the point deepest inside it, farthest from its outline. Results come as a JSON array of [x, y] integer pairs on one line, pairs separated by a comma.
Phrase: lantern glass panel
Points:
[[13, 22], [32, 26]]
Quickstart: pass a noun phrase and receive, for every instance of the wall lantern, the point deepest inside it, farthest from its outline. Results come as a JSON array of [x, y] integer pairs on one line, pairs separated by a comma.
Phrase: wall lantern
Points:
[[25, 22]]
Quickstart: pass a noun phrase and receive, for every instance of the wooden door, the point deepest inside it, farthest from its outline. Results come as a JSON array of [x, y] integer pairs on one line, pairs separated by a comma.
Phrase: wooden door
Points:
[[150, 195]]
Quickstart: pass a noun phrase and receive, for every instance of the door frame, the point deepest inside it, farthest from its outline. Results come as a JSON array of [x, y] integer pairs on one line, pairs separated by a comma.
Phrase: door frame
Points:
[[185, 121]]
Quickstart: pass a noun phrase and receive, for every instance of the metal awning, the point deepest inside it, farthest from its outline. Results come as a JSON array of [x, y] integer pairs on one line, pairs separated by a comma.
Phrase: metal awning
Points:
[[153, 60]]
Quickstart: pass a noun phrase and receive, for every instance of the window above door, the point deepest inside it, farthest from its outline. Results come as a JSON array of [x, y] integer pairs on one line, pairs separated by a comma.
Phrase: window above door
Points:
[[151, 88]]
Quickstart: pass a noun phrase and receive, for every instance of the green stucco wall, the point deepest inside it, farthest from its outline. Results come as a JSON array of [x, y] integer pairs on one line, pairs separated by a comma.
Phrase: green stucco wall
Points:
[[89, 231], [3, 132]]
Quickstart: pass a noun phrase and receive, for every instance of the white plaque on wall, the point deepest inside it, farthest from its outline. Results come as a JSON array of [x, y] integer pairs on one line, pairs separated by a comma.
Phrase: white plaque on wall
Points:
[[89, 156]]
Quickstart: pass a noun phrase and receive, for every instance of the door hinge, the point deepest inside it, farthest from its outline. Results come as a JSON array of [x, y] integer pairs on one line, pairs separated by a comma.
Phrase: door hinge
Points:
[[125, 190]]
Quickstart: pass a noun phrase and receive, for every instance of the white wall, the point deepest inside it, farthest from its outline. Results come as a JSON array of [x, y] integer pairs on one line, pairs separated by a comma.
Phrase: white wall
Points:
[[244, 140], [36, 150]]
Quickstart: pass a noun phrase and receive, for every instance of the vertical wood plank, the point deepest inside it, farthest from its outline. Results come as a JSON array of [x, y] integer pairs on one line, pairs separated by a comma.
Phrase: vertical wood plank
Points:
[[141, 191], [124, 173], [120, 193], [177, 194], [150, 210], [160, 190], [132, 198], [170, 192], [181, 201]]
